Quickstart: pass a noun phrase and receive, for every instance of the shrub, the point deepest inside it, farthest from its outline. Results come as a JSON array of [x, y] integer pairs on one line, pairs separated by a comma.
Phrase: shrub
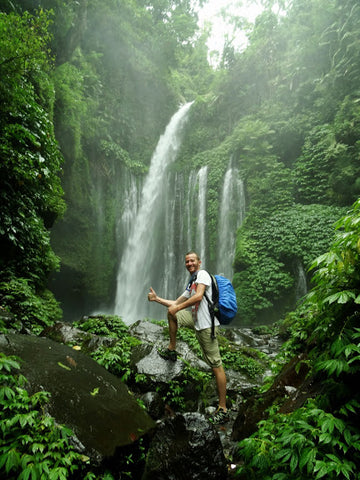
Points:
[[32, 445]]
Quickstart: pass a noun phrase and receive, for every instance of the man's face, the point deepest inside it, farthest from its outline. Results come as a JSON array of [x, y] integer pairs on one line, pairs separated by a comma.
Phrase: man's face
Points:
[[192, 263]]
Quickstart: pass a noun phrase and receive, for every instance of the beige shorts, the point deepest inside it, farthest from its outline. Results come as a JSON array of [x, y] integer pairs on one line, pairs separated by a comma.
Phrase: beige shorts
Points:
[[209, 346]]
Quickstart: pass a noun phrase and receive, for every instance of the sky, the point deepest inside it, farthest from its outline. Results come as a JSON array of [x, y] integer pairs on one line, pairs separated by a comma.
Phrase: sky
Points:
[[211, 12]]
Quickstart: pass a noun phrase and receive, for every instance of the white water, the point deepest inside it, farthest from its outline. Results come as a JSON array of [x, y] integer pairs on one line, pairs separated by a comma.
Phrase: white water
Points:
[[200, 240], [232, 213], [142, 252], [301, 283], [189, 209], [131, 199]]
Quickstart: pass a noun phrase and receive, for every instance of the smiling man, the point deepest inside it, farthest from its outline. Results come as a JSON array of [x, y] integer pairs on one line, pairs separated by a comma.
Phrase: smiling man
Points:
[[191, 310]]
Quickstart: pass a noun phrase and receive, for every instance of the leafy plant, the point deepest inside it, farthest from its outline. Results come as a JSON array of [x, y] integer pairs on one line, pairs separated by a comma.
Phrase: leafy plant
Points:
[[35, 310], [32, 446], [176, 393], [307, 444], [269, 252], [322, 438], [248, 361], [115, 358], [105, 325]]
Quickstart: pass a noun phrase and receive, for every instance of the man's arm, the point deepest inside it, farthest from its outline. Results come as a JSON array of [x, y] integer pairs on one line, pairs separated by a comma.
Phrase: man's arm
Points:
[[188, 302], [153, 297]]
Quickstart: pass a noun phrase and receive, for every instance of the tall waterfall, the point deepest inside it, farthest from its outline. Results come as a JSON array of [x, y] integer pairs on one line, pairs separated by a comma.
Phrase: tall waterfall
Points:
[[232, 212], [143, 256]]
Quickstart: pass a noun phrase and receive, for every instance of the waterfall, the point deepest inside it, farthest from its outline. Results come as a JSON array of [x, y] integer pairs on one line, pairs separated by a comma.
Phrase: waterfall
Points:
[[190, 208], [200, 240], [169, 235], [232, 212], [301, 282], [143, 255], [130, 193]]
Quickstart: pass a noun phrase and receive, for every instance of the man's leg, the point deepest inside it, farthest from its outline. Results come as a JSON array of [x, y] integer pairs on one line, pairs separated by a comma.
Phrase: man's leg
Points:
[[173, 327], [220, 379], [211, 354], [183, 318]]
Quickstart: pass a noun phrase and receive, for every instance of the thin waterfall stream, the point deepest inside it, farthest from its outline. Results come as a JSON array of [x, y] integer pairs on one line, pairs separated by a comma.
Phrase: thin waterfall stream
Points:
[[200, 240], [231, 216], [142, 254]]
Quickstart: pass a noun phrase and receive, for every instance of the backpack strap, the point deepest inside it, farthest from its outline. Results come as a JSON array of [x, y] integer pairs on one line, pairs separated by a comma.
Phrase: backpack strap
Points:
[[192, 279], [213, 303]]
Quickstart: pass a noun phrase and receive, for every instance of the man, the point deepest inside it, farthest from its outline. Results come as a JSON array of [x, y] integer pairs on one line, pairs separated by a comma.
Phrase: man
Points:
[[199, 319]]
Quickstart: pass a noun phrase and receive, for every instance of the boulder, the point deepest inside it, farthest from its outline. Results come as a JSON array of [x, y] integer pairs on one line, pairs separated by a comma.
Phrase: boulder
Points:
[[95, 404], [154, 404], [185, 446], [291, 388], [65, 333], [151, 334]]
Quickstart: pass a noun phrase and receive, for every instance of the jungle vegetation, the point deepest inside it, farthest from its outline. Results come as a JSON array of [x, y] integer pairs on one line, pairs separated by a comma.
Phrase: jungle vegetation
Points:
[[86, 89]]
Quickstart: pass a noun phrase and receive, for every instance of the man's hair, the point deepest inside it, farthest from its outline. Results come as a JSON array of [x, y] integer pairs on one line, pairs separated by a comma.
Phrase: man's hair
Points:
[[192, 253]]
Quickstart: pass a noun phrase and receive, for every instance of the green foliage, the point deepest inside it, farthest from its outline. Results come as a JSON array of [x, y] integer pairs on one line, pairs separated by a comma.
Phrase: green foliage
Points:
[[32, 309], [246, 360], [69, 84], [269, 252], [116, 357], [107, 326], [336, 294], [305, 445], [32, 446], [322, 438], [30, 162], [323, 153], [185, 390]]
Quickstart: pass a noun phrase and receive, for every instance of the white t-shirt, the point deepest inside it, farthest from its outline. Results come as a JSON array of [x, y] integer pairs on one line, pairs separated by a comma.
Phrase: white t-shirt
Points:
[[200, 311]]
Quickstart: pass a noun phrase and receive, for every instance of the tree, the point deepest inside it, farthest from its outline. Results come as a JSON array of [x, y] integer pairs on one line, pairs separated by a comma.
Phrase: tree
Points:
[[30, 189]]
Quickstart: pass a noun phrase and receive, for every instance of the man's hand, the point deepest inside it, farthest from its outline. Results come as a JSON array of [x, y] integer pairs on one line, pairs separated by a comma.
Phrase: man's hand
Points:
[[152, 295]]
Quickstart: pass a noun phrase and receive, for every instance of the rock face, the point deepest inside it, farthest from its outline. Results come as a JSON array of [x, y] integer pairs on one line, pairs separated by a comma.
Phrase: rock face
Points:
[[107, 421], [185, 446], [95, 404], [291, 384]]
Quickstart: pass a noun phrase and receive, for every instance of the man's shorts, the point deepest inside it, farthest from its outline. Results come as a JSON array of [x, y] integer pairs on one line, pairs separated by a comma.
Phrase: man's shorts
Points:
[[209, 346]]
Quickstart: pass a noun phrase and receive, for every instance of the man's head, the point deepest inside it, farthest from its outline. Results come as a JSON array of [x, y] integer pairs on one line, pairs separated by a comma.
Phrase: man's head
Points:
[[192, 262]]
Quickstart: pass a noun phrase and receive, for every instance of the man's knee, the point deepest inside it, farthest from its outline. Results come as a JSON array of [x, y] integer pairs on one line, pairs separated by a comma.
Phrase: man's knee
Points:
[[172, 318], [184, 319]]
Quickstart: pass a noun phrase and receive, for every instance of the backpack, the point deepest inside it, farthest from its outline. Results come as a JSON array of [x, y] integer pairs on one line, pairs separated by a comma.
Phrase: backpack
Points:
[[223, 303], [223, 299]]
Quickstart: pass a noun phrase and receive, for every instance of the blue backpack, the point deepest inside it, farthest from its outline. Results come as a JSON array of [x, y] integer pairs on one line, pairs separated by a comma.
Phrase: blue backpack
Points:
[[223, 304], [224, 299]]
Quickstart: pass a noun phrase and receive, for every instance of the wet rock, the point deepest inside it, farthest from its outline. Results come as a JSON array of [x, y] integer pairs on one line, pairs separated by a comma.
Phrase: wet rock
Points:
[[147, 332], [95, 404], [183, 447], [239, 384], [246, 337], [65, 333], [151, 334], [9, 321], [291, 388], [155, 371], [154, 404]]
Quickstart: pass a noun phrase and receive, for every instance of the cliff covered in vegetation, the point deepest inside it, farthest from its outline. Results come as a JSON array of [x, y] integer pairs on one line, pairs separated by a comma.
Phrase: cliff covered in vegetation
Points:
[[284, 110]]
